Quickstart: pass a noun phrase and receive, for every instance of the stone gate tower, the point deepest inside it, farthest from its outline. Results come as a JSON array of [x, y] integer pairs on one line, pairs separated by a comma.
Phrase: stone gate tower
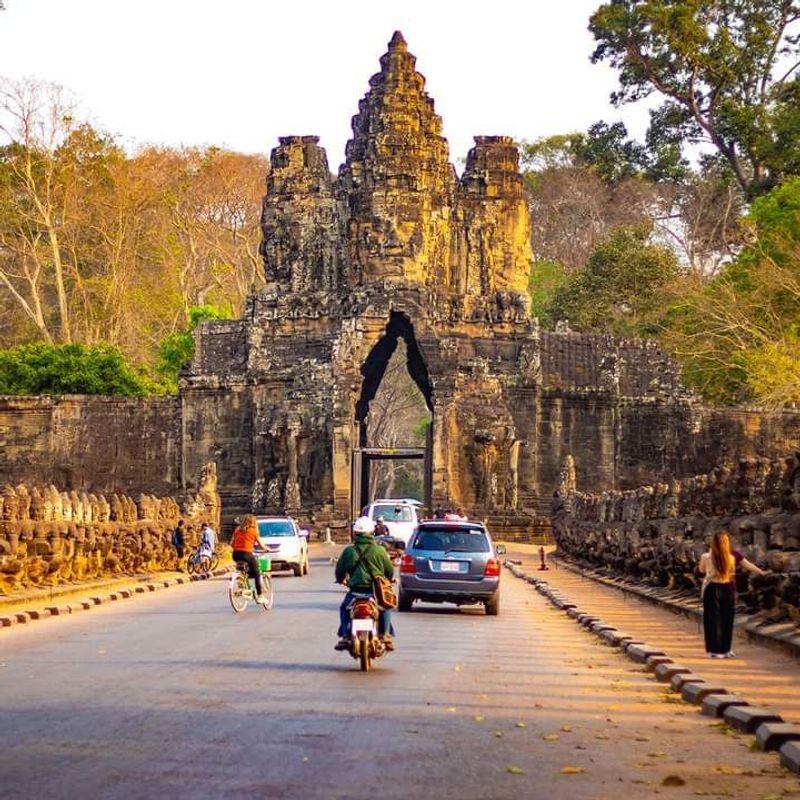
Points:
[[398, 245]]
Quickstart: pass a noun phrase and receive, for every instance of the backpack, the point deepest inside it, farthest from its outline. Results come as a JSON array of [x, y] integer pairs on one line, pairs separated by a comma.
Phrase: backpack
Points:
[[382, 587], [175, 537]]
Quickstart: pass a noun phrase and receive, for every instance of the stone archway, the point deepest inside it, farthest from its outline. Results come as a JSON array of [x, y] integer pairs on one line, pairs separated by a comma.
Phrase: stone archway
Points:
[[373, 371]]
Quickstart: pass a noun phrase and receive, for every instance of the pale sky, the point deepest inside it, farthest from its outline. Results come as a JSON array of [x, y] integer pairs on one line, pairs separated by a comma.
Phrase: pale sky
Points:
[[240, 73]]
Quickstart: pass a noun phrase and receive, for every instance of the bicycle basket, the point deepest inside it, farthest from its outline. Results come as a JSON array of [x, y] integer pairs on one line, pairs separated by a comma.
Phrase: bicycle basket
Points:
[[264, 563]]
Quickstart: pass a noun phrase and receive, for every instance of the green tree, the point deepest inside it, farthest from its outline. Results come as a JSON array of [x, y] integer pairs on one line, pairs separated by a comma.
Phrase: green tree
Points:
[[738, 335], [176, 349], [621, 289], [728, 72], [37, 369]]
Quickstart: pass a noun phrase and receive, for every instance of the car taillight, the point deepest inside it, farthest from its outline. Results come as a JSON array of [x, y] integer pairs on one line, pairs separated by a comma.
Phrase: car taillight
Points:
[[362, 610], [407, 564], [492, 569]]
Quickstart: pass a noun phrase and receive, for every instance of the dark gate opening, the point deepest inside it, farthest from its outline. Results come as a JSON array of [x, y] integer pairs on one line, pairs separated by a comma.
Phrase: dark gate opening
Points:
[[371, 453]]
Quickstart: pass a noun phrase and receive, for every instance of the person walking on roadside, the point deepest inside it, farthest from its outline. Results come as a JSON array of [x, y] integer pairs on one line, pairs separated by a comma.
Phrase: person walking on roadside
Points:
[[244, 541], [717, 567], [179, 542]]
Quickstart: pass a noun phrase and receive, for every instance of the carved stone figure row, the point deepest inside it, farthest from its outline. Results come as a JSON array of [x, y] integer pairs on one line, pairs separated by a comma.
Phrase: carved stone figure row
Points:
[[752, 486], [49, 537], [657, 536]]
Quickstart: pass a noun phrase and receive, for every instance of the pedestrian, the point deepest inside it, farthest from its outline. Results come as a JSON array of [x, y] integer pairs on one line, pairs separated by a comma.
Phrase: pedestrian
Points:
[[208, 540], [179, 542], [717, 567]]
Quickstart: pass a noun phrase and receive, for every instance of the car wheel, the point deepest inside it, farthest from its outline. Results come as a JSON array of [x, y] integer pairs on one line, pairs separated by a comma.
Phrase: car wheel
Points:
[[306, 567], [404, 601], [493, 605], [297, 569]]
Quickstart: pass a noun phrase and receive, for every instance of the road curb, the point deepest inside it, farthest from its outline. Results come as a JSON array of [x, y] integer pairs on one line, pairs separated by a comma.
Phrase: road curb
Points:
[[13, 619], [780, 636], [693, 689]]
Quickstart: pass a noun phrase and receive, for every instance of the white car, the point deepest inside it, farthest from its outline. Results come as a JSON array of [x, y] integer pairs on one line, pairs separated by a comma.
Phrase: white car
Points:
[[285, 542], [401, 517]]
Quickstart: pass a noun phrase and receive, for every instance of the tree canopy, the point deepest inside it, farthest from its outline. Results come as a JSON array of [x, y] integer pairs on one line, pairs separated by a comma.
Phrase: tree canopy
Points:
[[40, 368], [728, 73]]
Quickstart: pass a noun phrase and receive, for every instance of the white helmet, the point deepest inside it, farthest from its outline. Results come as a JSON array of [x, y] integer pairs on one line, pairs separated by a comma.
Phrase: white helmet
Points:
[[363, 525]]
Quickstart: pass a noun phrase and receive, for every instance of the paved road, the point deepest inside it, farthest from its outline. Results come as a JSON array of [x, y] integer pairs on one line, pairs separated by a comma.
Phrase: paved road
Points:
[[172, 695]]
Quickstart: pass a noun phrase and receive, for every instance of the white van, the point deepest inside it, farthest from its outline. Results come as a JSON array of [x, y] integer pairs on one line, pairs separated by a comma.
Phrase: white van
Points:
[[401, 517]]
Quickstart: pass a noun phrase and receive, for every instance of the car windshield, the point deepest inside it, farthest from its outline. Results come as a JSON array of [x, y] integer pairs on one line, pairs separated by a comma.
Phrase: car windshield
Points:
[[392, 513], [275, 527], [452, 541]]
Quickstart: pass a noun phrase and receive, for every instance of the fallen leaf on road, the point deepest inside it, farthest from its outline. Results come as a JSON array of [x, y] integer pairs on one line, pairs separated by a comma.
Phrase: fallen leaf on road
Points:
[[452, 709], [726, 770], [411, 730], [498, 734], [658, 754], [550, 737], [673, 780], [571, 770], [642, 738], [457, 668], [305, 758], [521, 725], [515, 770], [601, 736], [566, 729], [479, 718]]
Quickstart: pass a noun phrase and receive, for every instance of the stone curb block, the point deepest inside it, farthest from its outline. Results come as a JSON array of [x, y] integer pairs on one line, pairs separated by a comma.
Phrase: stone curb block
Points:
[[22, 618], [599, 627], [611, 636], [746, 719], [714, 705], [773, 735], [790, 756], [641, 652], [696, 692], [651, 662], [666, 672], [677, 682]]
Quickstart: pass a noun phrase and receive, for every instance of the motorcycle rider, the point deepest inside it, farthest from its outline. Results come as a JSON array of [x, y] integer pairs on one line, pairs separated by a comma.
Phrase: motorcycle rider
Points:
[[244, 541], [358, 564], [381, 529]]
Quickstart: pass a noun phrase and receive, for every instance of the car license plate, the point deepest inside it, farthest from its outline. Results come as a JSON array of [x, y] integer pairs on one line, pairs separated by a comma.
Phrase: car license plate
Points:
[[361, 625], [450, 566]]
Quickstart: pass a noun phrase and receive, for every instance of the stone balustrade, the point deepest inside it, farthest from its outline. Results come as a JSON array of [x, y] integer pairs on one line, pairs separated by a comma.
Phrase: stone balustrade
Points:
[[50, 537], [656, 534]]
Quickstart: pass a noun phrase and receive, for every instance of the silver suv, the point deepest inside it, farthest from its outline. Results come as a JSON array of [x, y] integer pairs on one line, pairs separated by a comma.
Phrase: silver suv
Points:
[[453, 562]]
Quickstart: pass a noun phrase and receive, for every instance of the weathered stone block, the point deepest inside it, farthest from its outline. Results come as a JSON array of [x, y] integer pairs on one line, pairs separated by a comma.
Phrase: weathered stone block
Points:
[[773, 735], [714, 705], [747, 718], [696, 692]]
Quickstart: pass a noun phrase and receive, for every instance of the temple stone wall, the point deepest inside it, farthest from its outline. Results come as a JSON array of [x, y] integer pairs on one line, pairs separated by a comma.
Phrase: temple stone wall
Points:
[[96, 444], [656, 533], [395, 245]]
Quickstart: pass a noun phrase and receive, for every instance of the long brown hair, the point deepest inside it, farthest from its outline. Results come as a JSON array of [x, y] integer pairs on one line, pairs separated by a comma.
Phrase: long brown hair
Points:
[[248, 523], [721, 555]]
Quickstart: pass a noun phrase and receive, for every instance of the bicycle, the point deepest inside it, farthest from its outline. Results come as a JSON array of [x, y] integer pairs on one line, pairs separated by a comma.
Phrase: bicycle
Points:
[[200, 562], [241, 587]]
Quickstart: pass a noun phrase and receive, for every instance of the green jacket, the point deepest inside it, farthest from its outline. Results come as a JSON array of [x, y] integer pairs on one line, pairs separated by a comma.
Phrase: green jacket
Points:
[[375, 562]]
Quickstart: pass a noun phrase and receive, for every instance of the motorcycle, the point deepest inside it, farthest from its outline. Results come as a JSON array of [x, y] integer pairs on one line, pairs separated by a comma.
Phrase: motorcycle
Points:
[[365, 644]]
